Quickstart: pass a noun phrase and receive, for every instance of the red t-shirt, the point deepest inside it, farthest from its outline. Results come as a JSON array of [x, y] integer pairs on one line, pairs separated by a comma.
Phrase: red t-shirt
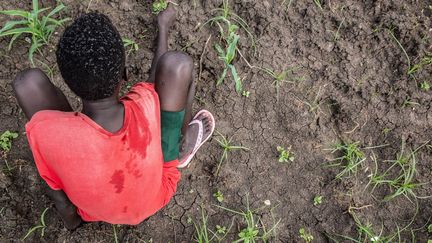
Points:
[[119, 178]]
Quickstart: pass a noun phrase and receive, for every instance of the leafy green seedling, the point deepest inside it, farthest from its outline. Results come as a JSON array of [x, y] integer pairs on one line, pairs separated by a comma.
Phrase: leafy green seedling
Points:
[[386, 130], [225, 143], [286, 76], [425, 86], [228, 24], [285, 155], [246, 93], [429, 228], [219, 196], [41, 28], [133, 46], [6, 140], [159, 6], [317, 200], [41, 226], [306, 236], [255, 230], [227, 56], [350, 160], [228, 17], [222, 230], [249, 234]]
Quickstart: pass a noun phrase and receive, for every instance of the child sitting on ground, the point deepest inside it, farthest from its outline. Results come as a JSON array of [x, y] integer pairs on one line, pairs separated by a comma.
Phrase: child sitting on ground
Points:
[[116, 160]]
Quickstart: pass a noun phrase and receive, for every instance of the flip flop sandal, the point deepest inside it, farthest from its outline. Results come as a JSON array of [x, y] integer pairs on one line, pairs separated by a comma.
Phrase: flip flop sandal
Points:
[[199, 142]]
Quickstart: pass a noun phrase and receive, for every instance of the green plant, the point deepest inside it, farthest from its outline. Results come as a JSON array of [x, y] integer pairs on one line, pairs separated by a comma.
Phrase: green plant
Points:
[[255, 230], [225, 143], [222, 230], [425, 86], [227, 56], [336, 35], [204, 235], [411, 70], [386, 130], [366, 232], [226, 17], [317, 200], [407, 103], [289, 3], [246, 93], [40, 28], [429, 228], [423, 62], [286, 76], [404, 167], [6, 140], [133, 46], [318, 3], [314, 105], [41, 226], [350, 160], [228, 24], [306, 236], [391, 33], [115, 233], [285, 155], [219, 196], [159, 6]]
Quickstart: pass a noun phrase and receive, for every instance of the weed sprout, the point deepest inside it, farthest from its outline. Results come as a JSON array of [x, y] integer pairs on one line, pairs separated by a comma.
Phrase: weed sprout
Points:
[[40, 27]]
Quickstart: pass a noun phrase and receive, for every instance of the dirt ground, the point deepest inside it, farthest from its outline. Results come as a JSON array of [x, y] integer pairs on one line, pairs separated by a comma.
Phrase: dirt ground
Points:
[[354, 89]]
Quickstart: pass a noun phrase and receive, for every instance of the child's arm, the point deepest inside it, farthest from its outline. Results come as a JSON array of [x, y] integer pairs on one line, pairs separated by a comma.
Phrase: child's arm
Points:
[[66, 209]]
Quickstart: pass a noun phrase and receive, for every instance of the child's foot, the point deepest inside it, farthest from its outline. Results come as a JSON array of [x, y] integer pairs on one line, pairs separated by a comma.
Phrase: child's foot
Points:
[[166, 18], [69, 216], [198, 132]]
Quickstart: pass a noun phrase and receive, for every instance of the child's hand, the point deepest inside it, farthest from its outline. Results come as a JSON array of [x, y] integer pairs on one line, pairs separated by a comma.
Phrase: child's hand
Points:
[[167, 17]]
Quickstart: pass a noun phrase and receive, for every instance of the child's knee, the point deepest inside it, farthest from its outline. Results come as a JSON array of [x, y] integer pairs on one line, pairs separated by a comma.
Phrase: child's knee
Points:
[[29, 77], [176, 64]]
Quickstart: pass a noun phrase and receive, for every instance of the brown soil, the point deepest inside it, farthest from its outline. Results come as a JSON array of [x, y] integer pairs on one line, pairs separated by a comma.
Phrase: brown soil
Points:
[[357, 87]]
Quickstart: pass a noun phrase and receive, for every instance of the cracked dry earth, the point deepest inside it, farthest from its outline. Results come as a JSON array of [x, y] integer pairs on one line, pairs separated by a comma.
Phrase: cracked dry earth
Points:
[[354, 88]]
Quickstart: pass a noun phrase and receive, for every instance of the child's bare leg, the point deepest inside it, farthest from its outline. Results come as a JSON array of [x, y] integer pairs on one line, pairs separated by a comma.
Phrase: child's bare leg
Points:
[[35, 92], [173, 73]]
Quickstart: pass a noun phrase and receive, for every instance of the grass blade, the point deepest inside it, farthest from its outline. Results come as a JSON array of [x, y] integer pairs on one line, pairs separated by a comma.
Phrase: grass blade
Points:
[[35, 5], [9, 25], [222, 77], [17, 31], [21, 13], [14, 37], [237, 80]]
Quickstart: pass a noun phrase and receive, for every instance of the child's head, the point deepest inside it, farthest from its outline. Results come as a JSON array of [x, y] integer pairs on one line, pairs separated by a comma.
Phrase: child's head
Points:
[[91, 57]]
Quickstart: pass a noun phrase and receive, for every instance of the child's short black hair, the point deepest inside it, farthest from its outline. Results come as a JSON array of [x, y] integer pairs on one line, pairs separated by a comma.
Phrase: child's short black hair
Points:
[[91, 57]]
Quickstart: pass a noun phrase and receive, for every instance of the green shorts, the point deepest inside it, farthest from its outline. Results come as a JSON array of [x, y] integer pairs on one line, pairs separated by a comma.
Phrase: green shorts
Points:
[[171, 124]]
